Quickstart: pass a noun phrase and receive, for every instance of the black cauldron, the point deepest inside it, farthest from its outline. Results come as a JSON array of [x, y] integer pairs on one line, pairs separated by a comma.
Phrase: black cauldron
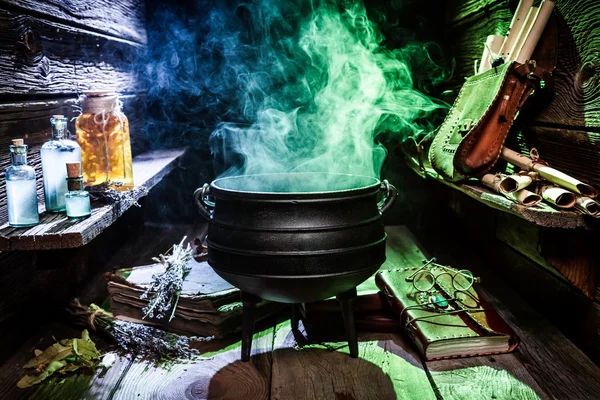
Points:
[[295, 237]]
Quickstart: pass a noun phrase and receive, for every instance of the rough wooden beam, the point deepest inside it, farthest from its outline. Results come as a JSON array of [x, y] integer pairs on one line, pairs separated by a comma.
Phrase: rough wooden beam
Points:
[[38, 56], [121, 18]]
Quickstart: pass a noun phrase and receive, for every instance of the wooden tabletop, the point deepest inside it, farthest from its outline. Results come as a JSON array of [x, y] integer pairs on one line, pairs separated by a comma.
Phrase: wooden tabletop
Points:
[[546, 365]]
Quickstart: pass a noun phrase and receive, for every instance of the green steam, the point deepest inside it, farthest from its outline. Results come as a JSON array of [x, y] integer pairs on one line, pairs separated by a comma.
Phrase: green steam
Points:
[[318, 92]]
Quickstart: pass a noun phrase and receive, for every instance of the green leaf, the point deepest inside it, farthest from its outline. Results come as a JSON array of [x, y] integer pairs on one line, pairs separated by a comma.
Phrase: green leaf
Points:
[[56, 352], [30, 380]]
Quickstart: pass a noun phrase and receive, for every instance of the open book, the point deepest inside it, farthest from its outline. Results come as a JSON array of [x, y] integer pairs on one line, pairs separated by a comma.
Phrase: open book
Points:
[[461, 325]]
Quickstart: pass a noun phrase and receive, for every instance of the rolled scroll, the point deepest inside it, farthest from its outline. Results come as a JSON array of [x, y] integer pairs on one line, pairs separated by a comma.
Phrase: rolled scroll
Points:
[[515, 25], [524, 197], [559, 197], [514, 183], [490, 51], [531, 41], [588, 206], [549, 173]]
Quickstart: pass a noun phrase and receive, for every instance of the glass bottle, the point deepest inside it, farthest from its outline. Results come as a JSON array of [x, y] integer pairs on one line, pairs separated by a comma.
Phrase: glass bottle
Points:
[[103, 134], [77, 200], [56, 153], [21, 191]]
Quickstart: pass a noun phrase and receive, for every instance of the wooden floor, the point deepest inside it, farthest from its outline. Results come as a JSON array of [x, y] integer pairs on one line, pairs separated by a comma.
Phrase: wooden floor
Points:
[[546, 364]]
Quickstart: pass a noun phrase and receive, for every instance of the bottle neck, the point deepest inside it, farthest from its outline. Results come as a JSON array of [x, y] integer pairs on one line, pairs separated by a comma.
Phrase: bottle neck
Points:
[[75, 184], [18, 157], [59, 130]]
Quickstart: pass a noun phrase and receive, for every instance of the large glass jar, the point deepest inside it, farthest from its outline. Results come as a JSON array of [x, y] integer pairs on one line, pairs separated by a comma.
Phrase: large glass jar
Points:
[[103, 134]]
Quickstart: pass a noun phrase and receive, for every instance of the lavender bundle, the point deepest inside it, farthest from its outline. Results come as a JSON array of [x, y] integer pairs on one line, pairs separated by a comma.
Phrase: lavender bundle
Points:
[[164, 291], [149, 343], [107, 192]]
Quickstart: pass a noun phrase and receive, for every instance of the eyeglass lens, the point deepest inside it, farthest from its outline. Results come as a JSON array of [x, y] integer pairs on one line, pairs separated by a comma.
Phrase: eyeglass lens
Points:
[[423, 281], [463, 280]]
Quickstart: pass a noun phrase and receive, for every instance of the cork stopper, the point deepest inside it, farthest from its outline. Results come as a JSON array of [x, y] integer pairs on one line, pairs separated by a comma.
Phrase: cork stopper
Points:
[[17, 142], [58, 116], [74, 169]]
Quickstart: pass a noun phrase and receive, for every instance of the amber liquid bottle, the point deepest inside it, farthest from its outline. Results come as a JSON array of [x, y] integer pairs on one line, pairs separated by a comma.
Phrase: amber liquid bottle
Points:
[[103, 134]]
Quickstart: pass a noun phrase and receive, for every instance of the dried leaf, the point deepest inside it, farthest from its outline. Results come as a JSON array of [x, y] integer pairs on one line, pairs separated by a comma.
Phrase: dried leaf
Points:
[[56, 352], [30, 380]]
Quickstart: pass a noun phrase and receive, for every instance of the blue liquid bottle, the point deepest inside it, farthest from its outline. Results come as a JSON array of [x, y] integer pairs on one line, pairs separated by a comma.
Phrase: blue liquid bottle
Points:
[[77, 200], [21, 191], [55, 154]]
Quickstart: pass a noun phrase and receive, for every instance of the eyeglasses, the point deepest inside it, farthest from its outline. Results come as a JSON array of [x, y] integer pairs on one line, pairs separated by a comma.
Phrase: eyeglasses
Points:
[[423, 279]]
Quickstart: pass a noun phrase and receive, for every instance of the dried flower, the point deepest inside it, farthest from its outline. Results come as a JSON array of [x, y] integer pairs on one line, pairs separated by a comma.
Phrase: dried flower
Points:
[[107, 192], [164, 291]]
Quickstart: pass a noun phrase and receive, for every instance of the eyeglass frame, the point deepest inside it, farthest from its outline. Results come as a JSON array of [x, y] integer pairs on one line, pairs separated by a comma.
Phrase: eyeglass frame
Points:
[[448, 270]]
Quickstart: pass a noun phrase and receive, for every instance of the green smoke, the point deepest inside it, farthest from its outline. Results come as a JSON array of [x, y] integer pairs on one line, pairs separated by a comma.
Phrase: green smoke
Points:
[[318, 88]]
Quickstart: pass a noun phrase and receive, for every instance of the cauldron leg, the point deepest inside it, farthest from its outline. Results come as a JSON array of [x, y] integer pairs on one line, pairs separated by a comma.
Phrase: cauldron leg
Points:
[[346, 299], [295, 316], [249, 302]]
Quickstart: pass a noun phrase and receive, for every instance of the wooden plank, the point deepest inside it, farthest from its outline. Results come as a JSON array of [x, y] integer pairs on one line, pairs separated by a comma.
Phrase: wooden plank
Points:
[[570, 255], [148, 169], [41, 57], [542, 214], [577, 84], [121, 18], [387, 368], [217, 374], [485, 378], [94, 384]]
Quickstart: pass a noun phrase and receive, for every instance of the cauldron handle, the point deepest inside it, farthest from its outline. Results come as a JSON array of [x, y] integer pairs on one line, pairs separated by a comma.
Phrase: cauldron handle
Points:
[[205, 206], [389, 195]]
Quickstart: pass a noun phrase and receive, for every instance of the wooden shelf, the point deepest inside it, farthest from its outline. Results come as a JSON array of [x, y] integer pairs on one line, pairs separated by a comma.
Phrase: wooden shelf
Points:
[[541, 214], [56, 231]]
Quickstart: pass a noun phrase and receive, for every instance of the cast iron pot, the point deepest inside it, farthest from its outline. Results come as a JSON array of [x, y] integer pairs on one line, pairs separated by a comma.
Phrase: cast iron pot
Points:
[[295, 237]]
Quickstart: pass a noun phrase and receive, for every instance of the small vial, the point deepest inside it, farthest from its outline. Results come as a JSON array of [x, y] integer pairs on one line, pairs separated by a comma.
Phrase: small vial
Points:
[[77, 200], [21, 191]]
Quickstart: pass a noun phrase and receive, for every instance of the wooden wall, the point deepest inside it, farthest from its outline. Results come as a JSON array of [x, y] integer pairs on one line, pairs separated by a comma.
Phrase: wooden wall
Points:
[[50, 52], [556, 269]]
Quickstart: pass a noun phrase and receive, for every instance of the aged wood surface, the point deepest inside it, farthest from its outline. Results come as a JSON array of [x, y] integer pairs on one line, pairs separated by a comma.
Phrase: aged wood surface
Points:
[[121, 18], [79, 386], [572, 151], [560, 368], [217, 374], [388, 367], [57, 231], [542, 214], [38, 56], [577, 82], [571, 255]]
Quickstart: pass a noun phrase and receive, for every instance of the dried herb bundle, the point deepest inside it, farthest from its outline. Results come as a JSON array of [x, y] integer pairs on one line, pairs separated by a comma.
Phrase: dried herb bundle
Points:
[[65, 356], [149, 343], [107, 192], [164, 291]]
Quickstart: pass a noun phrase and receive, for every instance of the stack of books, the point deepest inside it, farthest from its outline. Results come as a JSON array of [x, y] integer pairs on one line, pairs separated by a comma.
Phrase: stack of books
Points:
[[208, 306]]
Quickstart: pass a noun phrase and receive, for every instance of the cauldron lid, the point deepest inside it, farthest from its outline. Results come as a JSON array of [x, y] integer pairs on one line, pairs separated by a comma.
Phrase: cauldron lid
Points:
[[296, 183]]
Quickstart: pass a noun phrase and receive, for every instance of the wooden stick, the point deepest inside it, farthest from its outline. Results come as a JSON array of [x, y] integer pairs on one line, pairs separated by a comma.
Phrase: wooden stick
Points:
[[533, 38], [493, 44], [523, 34], [515, 25]]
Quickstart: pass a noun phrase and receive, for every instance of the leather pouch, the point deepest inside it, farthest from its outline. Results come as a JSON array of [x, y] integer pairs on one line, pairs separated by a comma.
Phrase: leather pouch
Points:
[[469, 141]]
